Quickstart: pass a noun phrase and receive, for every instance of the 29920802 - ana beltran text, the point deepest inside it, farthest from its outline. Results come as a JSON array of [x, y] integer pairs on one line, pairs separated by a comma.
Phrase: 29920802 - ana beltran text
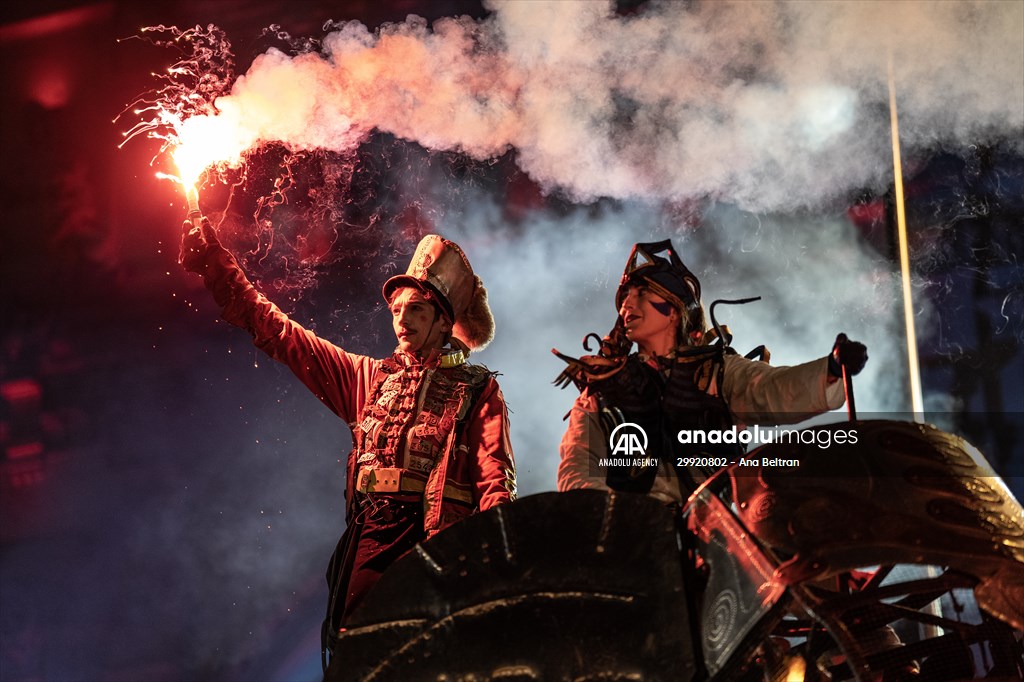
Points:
[[643, 462], [756, 435]]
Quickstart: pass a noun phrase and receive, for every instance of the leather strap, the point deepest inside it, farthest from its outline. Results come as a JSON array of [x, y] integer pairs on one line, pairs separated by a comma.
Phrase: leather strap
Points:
[[396, 480]]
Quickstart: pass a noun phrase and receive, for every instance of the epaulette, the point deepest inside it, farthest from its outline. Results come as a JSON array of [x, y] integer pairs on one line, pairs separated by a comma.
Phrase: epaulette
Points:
[[469, 374]]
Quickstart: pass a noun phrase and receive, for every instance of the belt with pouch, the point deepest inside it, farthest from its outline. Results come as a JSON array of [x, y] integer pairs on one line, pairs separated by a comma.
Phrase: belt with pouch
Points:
[[395, 480]]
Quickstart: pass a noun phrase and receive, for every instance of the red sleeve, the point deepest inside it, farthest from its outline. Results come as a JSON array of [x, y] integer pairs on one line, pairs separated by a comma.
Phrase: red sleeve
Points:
[[492, 468], [338, 378]]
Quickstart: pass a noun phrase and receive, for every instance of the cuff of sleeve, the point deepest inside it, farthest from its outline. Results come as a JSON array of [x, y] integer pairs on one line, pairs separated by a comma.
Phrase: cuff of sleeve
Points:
[[835, 393]]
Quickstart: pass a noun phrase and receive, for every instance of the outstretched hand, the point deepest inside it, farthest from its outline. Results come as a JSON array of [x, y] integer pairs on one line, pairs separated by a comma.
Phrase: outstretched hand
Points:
[[846, 353]]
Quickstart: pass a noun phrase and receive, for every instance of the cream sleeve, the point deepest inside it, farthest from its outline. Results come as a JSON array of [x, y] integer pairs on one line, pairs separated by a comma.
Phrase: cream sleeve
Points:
[[582, 447], [758, 393]]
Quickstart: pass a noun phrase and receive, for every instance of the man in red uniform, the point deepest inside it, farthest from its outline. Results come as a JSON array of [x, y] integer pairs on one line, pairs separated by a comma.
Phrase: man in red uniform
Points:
[[429, 431]]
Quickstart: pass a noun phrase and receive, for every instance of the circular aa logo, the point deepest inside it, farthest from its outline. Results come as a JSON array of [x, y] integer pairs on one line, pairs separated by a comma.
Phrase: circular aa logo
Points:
[[628, 439]]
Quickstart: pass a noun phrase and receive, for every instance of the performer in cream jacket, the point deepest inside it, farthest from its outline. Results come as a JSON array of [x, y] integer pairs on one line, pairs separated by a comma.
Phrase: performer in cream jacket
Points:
[[684, 378]]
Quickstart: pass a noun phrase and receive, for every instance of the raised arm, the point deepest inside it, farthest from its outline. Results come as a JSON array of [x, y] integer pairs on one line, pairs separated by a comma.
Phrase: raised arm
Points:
[[336, 377]]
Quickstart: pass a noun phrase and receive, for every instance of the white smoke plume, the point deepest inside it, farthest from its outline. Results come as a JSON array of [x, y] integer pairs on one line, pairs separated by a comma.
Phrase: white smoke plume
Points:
[[553, 278], [769, 105]]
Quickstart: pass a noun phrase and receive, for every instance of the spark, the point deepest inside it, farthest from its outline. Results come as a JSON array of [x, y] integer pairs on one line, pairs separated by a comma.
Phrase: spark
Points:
[[182, 111]]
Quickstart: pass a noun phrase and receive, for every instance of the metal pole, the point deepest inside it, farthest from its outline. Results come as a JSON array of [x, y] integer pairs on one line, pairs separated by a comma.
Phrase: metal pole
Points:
[[916, 401]]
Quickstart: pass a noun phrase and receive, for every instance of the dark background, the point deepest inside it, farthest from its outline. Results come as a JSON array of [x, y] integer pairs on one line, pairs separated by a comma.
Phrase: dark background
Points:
[[170, 497]]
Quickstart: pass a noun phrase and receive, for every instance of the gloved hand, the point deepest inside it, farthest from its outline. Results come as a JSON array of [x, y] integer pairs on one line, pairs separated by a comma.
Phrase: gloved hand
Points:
[[851, 354], [195, 242]]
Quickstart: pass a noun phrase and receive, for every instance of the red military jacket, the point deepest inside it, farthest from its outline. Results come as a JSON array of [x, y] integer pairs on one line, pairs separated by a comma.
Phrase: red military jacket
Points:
[[447, 423]]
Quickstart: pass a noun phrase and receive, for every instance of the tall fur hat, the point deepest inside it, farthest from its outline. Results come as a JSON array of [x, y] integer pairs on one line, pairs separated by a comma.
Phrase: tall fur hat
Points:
[[442, 272]]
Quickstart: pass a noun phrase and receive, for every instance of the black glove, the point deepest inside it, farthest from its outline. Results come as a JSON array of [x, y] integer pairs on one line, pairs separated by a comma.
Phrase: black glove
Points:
[[851, 354], [195, 243]]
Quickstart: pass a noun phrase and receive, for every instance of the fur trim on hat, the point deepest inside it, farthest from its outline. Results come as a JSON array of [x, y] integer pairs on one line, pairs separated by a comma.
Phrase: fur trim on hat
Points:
[[475, 327]]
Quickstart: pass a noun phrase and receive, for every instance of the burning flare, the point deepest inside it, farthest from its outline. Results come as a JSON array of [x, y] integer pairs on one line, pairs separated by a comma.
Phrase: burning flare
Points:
[[196, 134]]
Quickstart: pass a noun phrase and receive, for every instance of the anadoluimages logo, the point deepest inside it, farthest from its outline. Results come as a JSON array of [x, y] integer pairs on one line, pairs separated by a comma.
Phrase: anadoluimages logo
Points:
[[628, 439]]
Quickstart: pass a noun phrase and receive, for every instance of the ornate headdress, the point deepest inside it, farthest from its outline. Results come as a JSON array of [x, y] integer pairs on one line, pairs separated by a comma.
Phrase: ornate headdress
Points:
[[441, 271], [665, 276]]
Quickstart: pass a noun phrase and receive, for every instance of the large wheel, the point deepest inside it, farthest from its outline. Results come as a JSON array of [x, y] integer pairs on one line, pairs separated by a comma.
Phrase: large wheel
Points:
[[579, 585], [898, 557]]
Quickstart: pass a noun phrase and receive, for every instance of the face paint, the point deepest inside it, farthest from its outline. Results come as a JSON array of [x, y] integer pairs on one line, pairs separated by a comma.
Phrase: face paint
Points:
[[663, 307], [648, 320]]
